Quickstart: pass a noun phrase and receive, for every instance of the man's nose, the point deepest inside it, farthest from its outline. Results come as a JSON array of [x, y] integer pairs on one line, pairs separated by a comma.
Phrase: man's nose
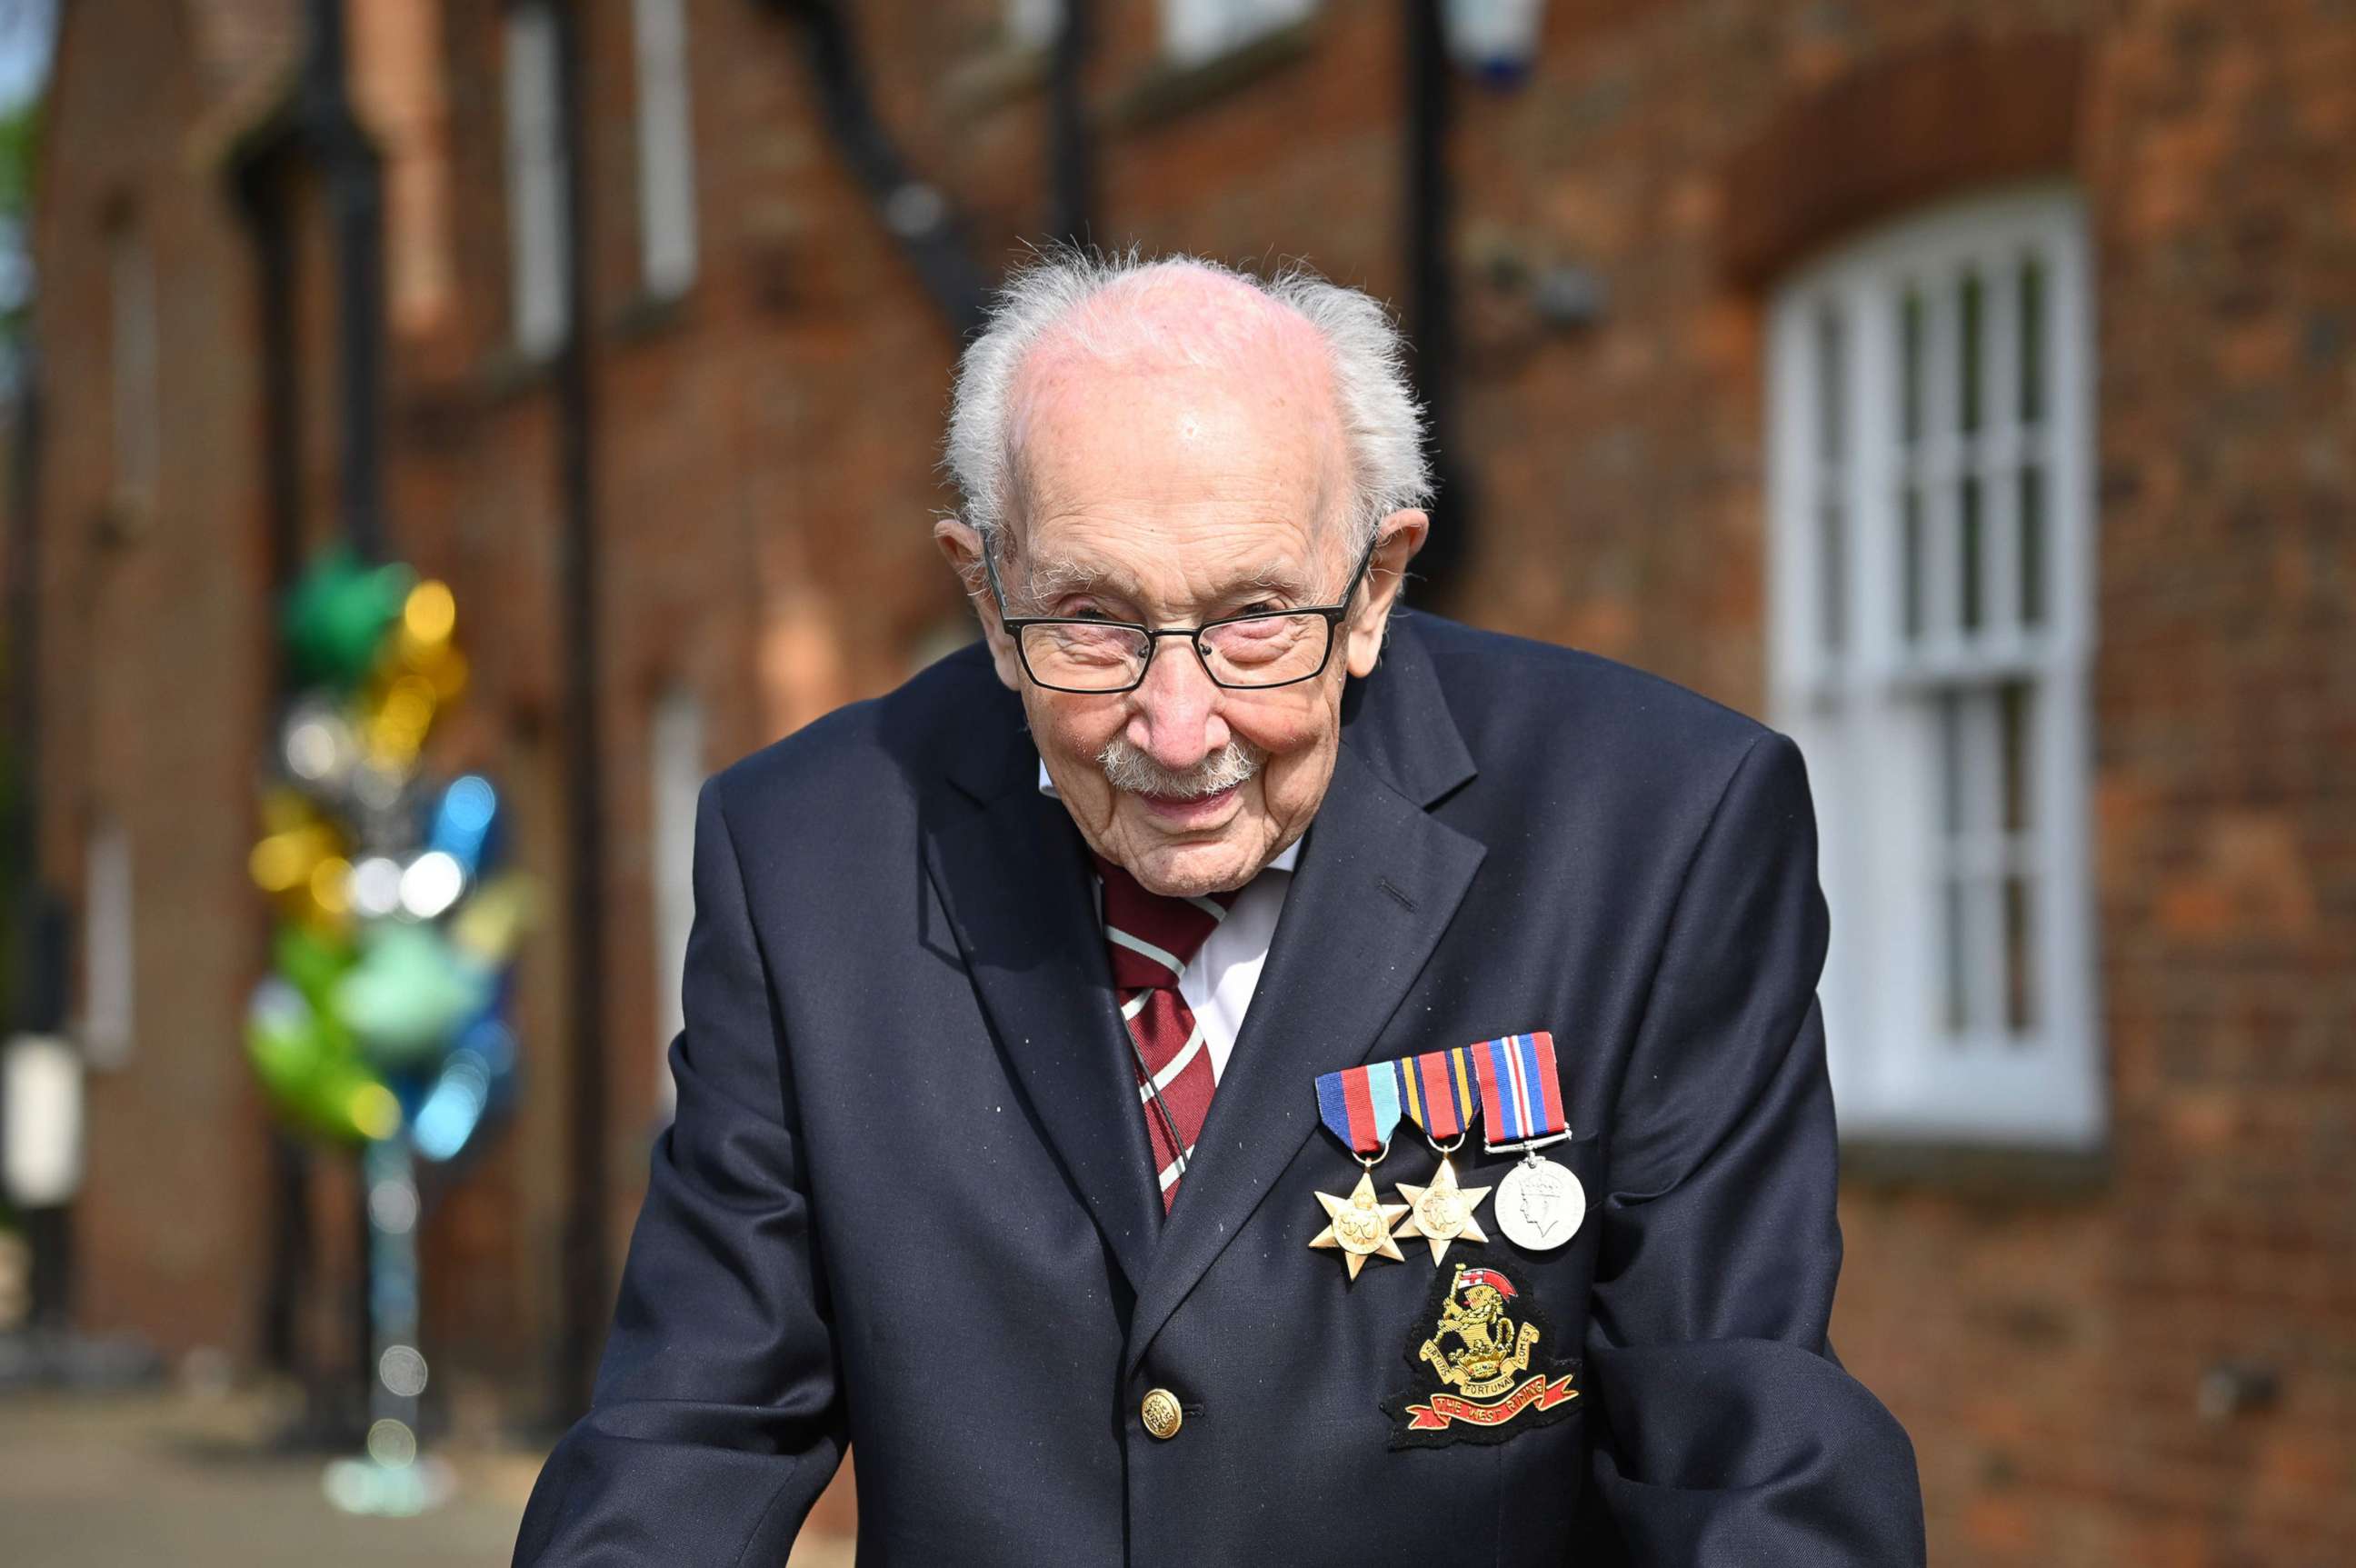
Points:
[[1175, 717]]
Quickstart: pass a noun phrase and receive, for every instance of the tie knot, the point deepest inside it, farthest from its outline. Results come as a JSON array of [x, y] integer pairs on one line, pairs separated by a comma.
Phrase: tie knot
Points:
[[1152, 936]]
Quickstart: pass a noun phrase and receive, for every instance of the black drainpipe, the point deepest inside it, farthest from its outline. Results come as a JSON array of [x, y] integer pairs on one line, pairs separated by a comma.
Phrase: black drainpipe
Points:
[[586, 1305], [918, 214], [259, 183], [317, 127], [335, 140], [1431, 292], [38, 989], [333, 136], [1071, 179]]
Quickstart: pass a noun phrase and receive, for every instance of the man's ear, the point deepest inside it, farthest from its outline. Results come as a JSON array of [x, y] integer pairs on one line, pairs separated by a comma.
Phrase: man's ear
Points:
[[961, 545], [1401, 535]]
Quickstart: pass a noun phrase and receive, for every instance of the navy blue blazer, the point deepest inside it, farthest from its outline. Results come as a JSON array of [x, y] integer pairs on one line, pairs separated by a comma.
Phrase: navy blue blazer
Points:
[[906, 1205]]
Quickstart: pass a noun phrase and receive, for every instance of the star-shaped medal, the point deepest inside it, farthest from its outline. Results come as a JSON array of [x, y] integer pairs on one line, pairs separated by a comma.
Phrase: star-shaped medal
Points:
[[1360, 1226], [1442, 1212]]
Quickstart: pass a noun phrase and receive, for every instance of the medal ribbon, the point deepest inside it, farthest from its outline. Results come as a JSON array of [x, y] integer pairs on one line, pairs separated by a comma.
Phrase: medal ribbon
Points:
[[1360, 1106], [1436, 1089], [1519, 1091]]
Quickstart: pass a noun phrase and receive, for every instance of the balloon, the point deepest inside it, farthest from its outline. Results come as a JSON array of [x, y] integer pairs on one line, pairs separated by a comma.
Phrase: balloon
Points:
[[306, 1062], [382, 1016], [463, 819], [316, 746], [409, 989], [283, 1038], [394, 717], [310, 961], [337, 613], [488, 926]]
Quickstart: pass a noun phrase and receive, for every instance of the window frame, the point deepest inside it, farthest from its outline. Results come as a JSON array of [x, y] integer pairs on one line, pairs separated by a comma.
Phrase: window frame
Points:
[[1032, 24], [662, 60], [135, 363], [1195, 32], [107, 1024], [1862, 696], [676, 730], [540, 280]]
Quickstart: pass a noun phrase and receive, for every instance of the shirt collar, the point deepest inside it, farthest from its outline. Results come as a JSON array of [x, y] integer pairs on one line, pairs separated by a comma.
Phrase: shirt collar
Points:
[[1289, 858]]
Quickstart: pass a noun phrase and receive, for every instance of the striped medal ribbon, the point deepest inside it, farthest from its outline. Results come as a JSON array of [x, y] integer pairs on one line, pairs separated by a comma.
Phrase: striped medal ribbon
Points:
[[1540, 1205], [1360, 1106], [1438, 1092]]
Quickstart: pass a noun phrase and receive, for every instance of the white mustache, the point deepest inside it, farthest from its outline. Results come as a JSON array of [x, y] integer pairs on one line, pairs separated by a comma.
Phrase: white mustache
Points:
[[1129, 769]]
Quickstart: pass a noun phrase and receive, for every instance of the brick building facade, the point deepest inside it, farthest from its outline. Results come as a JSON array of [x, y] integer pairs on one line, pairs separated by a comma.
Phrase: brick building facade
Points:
[[2134, 1345]]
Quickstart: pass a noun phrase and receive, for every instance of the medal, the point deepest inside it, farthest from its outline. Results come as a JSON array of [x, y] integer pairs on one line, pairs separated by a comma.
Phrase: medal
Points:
[[1540, 1203], [1360, 1106], [1436, 1092]]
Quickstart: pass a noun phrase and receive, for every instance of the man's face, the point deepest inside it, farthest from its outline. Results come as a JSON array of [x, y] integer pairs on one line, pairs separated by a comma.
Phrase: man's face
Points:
[[1173, 496]]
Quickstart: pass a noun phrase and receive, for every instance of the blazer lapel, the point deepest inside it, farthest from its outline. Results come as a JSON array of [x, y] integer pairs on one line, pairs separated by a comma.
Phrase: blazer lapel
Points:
[[1011, 877], [1379, 880]]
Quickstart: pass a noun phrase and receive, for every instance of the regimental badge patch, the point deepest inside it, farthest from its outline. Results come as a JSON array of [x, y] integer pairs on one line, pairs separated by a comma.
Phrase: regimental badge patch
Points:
[[1479, 1377]]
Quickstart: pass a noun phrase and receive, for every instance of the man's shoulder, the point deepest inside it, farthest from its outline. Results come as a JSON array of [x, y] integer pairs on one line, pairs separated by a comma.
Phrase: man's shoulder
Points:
[[864, 756], [1514, 697]]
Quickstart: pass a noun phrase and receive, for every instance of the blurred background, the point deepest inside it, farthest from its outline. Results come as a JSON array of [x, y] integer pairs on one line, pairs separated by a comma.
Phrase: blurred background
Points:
[[455, 427]]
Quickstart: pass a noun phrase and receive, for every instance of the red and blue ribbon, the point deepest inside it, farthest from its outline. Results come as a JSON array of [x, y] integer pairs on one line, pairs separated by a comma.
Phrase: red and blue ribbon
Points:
[[1436, 1089], [1360, 1106], [1519, 1090]]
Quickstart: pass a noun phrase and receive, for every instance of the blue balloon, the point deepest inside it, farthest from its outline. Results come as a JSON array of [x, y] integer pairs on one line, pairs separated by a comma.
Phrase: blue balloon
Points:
[[447, 1120], [463, 821]]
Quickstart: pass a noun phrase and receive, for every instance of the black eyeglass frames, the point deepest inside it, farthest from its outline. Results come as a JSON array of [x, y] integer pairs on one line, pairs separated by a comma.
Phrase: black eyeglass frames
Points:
[[1245, 652]]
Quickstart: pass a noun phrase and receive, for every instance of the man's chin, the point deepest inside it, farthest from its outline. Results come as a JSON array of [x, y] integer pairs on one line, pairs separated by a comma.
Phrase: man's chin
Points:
[[1186, 868]]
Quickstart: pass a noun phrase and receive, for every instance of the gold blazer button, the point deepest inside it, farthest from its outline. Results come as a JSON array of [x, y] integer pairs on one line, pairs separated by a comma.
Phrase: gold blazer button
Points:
[[1161, 1415]]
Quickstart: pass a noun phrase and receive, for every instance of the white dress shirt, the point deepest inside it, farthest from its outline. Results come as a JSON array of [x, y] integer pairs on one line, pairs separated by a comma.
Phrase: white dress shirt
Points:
[[1218, 981]]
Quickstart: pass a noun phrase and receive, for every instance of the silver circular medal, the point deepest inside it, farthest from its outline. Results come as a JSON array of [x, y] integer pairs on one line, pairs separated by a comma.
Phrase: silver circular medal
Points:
[[1539, 1204]]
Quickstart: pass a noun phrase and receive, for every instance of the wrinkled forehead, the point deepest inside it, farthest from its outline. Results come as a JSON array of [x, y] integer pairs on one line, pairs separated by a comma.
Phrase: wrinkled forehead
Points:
[[1192, 398]]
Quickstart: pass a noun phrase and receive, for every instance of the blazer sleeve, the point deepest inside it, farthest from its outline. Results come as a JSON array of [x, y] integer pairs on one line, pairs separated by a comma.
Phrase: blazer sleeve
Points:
[[1731, 1433], [717, 1416]]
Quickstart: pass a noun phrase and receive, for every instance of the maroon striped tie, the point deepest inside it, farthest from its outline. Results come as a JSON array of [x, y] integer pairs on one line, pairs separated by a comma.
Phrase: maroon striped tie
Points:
[[1151, 938]]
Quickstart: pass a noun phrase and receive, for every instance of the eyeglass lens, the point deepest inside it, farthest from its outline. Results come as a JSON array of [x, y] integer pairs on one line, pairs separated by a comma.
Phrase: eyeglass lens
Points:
[[1257, 650]]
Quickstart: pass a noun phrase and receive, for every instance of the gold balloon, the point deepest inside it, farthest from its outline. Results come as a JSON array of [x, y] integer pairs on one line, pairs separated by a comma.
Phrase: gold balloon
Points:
[[427, 617], [396, 714], [331, 886], [284, 809], [488, 925], [284, 861], [447, 673], [375, 1111]]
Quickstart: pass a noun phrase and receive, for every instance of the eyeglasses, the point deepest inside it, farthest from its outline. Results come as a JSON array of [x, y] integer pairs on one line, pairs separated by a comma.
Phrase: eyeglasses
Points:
[[1245, 652]]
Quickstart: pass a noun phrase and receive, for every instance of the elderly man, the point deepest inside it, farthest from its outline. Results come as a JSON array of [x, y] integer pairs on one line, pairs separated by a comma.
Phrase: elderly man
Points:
[[1075, 1035]]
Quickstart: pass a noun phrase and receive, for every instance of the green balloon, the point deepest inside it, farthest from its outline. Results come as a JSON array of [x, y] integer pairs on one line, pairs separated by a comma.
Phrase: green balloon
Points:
[[337, 615], [310, 960], [310, 1072], [283, 1040], [409, 991]]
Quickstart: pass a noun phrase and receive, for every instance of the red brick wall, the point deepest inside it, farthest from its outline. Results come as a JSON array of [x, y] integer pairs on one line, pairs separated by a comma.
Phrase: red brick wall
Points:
[[763, 481], [151, 663]]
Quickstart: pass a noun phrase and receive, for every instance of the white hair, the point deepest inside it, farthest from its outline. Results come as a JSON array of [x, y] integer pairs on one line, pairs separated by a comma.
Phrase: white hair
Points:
[[1382, 423]]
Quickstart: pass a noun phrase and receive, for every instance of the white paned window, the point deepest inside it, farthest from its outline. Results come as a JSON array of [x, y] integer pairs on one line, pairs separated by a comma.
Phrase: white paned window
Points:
[[666, 148], [106, 946], [1931, 537], [540, 303], [1033, 24], [675, 740], [132, 362], [1196, 30]]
